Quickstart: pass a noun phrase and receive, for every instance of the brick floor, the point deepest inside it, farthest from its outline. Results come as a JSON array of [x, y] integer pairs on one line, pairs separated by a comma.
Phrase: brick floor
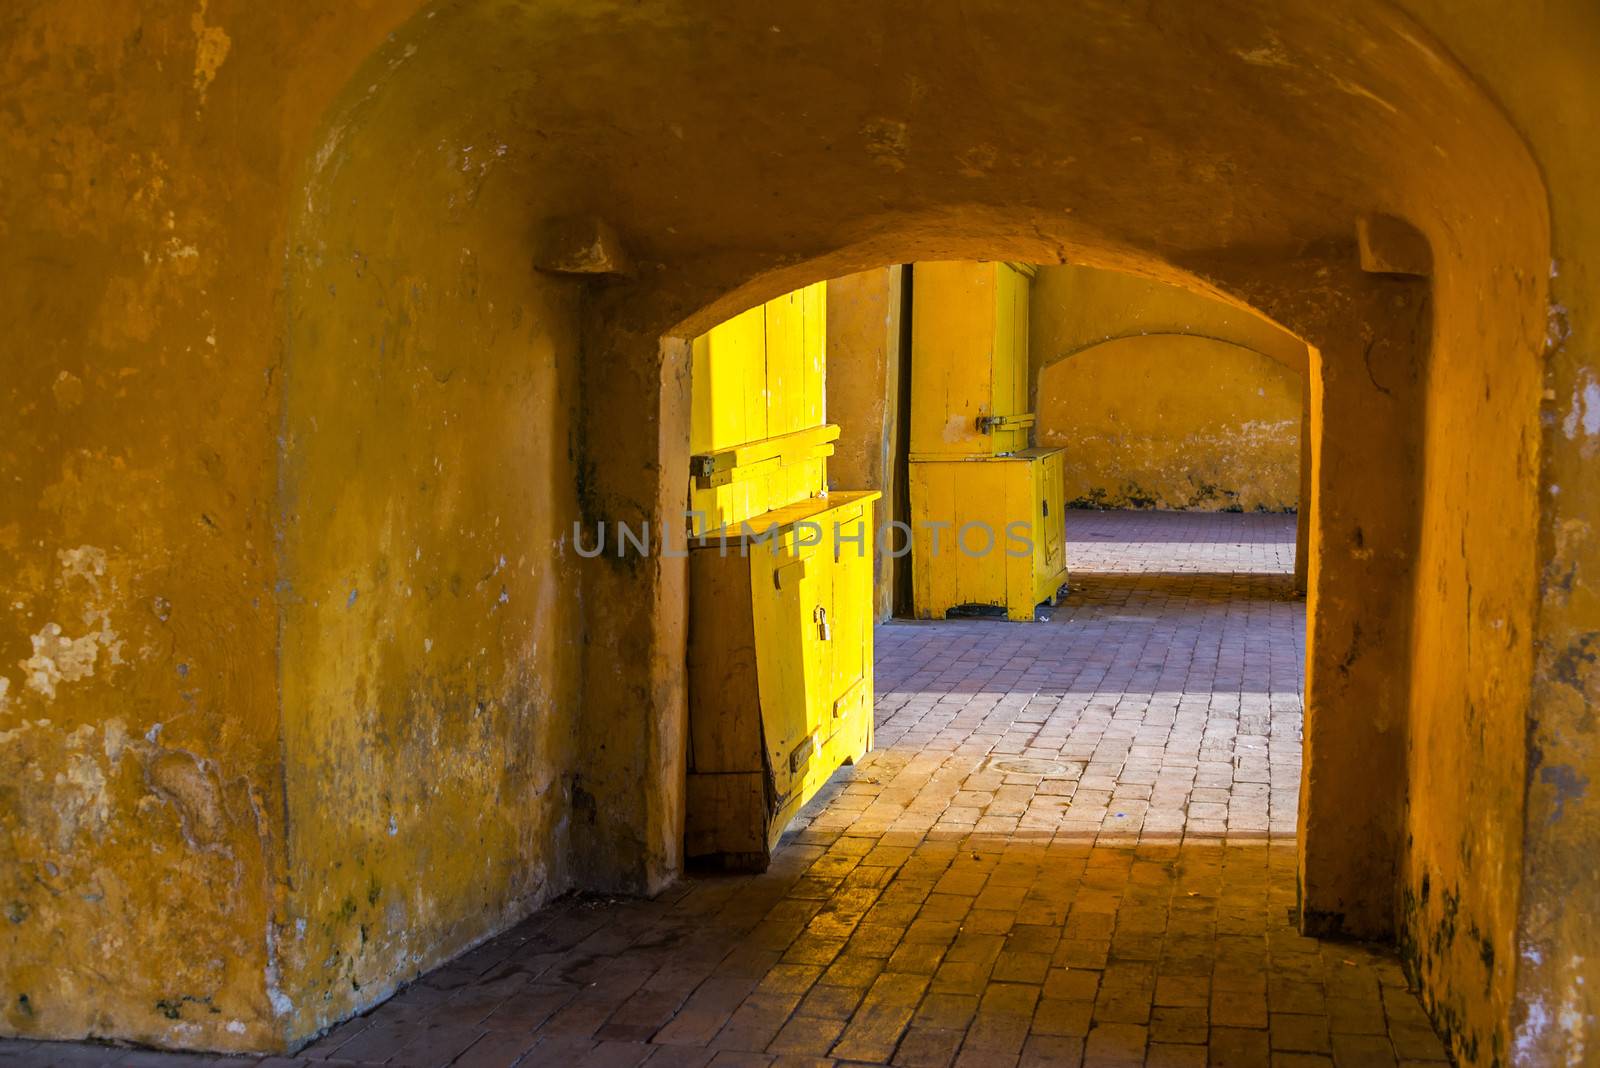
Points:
[[1073, 844]]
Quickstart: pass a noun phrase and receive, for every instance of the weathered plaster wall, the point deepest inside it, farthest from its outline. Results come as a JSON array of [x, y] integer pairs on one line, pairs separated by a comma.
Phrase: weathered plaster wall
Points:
[[1538, 63], [147, 155], [431, 608], [1163, 397], [1173, 421], [1471, 655], [864, 343], [1222, 141]]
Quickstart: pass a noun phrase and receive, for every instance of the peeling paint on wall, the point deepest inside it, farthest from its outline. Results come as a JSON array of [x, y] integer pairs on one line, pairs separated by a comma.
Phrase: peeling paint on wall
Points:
[[211, 50]]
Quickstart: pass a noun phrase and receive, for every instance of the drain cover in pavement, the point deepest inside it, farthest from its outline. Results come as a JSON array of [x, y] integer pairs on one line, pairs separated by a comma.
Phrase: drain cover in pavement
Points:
[[1027, 766]]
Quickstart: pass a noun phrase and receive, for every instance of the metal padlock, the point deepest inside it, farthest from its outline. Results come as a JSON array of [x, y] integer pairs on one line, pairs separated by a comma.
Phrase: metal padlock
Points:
[[821, 618]]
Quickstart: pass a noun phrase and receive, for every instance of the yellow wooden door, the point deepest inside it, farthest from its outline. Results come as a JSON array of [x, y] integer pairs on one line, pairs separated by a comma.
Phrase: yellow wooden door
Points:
[[952, 358]]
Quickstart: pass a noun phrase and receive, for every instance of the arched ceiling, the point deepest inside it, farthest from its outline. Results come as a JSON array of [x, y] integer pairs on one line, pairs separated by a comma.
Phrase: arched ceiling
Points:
[[721, 137]]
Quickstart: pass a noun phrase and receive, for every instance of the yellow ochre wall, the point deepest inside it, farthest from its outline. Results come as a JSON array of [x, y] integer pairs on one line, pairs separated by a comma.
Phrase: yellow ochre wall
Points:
[[1551, 984], [1162, 397], [178, 360], [430, 628], [150, 152]]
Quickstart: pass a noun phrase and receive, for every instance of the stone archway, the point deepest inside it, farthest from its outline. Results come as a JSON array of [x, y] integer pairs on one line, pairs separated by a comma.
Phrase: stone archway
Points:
[[720, 203], [401, 430]]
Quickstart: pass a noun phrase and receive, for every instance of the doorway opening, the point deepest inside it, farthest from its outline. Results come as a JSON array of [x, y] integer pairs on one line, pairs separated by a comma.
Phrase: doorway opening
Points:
[[1071, 837]]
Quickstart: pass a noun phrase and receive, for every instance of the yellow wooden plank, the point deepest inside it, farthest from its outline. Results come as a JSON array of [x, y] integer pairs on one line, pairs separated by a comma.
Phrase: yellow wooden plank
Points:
[[1022, 379], [725, 816], [776, 610], [723, 736], [815, 508], [1004, 368], [1022, 504], [737, 352], [747, 379], [702, 436], [815, 350], [981, 502], [933, 511], [811, 477], [1050, 566], [819, 627], [941, 535], [851, 543], [785, 363], [720, 467], [919, 476]]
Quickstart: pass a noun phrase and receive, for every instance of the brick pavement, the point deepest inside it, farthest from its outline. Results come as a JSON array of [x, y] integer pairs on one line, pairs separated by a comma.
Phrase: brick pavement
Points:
[[1073, 844]]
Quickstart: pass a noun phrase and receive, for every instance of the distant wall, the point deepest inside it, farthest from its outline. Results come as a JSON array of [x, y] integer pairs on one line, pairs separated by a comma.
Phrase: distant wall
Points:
[[1162, 397]]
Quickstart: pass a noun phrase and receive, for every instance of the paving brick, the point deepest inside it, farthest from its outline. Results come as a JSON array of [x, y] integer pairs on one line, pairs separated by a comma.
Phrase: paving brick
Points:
[[1115, 1044], [809, 1035], [1307, 1034], [924, 1047], [1170, 1055], [1362, 1051], [1233, 1047], [875, 1028]]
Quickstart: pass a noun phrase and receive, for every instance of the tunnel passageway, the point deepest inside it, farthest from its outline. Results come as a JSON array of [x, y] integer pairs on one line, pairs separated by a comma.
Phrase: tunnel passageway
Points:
[[1073, 843]]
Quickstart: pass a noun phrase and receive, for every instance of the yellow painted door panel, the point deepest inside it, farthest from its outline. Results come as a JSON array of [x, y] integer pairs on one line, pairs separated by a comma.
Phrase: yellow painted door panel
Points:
[[969, 359], [952, 353]]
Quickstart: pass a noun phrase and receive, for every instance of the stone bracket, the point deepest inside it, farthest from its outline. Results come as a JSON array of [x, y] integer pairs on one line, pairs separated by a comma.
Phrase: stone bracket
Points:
[[1391, 245]]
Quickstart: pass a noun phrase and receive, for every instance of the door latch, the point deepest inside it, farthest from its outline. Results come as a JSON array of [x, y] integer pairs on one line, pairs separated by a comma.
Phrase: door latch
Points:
[[820, 617]]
